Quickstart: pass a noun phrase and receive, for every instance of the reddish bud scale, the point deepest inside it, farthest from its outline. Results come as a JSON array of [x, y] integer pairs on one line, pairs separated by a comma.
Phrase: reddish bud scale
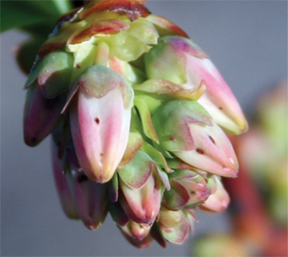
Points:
[[106, 27], [133, 9]]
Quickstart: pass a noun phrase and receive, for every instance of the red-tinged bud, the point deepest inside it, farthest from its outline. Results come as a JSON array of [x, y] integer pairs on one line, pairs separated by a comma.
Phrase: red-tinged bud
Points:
[[175, 225], [136, 230], [188, 189], [41, 115], [218, 201], [65, 196], [188, 131], [100, 131], [181, 61], [90, 199], [141, 189]]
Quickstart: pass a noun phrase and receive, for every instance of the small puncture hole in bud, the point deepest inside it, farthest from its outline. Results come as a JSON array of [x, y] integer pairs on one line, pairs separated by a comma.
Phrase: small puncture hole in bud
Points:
[[82, 178], [81, 83], [33, 140], [200, 151], [97, 120], [172, 138], [220, 108], [78, 65], [212, 140]]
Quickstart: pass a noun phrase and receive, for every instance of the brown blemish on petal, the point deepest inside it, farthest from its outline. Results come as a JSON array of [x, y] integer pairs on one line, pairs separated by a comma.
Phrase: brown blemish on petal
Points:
[[48, 48], [200, 151], [99, 28], [172, 138], [212, 140]]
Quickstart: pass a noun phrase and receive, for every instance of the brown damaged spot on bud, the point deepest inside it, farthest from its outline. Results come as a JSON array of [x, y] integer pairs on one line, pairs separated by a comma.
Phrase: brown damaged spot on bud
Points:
[[48, 48], [212, 139], [200, 151], [97, 121], [172, 137]]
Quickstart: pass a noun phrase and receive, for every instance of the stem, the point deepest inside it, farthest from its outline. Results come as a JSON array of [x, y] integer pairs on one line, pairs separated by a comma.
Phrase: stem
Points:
[[250, 219]]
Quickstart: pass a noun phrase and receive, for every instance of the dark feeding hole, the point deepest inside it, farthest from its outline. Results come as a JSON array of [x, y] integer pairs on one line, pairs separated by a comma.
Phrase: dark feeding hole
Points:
[[49, 103], [212, 140], [78, 65], [81, 83], [172, 138], [200, 151], [81, 178], [220, 108], [97, 120], [33, 140]]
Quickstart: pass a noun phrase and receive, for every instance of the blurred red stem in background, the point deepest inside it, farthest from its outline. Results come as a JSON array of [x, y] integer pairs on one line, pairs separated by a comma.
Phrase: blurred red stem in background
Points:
[[250, 219]]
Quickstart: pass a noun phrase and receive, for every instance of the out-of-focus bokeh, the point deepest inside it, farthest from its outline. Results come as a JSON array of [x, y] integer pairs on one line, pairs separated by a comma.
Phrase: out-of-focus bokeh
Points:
[[247, 41]]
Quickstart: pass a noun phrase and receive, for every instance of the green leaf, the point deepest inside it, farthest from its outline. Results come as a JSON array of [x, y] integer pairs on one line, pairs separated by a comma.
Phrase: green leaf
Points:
[[19, 14]]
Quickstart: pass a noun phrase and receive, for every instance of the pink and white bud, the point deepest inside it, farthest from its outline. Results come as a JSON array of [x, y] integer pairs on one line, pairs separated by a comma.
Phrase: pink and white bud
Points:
[[141, 191], [213, 151], [188, 189], [175, 225], [218, 201], [136, 230], [181, 61], [100, 114], [218, 98], [187, 130]]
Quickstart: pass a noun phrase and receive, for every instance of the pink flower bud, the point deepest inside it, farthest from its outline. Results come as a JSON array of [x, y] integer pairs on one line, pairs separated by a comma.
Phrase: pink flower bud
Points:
[[187, 130], [65, 196], [90, 199], [100, 114], [218, 201], [141, 189]]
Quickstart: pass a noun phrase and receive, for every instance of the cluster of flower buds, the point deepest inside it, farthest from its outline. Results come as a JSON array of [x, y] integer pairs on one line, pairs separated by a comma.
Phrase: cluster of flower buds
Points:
[[135, 109]]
